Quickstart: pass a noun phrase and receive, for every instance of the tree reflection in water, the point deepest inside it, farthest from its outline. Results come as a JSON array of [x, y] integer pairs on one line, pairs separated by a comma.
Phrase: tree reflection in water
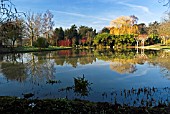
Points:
[[73, 57], [40, 66], [123, 68], [13, 68], [126, 61], [163, 62], [16, 67], [14, 71]]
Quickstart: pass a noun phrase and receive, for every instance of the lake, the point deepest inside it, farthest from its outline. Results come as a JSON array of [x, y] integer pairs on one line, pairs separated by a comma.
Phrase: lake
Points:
[[131, 77]]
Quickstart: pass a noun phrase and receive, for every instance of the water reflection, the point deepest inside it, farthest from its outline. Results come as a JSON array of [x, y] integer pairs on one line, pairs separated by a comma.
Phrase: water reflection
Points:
[[33, 66], [14, 71], [146, 96], [41, 65], [73, 57], [123, 68], [52, 74]]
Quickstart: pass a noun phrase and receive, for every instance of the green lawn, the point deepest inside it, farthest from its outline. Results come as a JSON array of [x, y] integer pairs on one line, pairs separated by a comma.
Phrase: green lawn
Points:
[[32, 49], [157, 47]]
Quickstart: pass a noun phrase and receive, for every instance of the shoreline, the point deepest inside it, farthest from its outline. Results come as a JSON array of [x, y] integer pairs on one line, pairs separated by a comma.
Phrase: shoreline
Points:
[[31, 49], [155, 47]]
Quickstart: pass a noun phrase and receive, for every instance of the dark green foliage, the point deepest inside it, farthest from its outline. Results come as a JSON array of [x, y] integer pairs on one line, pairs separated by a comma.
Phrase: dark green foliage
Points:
[[106, 39], [153, 40], [86, 33], [105, 30], [153, 34], [75, 34], [142, 28], [83, 30], [72, 32], [59, 33], [41, 43]]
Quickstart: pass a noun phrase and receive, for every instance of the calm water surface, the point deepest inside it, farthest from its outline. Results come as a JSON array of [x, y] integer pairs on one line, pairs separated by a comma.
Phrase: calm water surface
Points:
[[113, 76]]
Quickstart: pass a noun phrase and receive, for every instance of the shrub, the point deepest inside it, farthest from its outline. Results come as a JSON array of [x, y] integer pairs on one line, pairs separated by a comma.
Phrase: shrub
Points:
[[41, 43], [35, 44]]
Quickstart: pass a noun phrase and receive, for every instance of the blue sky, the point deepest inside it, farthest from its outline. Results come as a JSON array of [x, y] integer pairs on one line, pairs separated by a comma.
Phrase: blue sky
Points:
[[94, 13]]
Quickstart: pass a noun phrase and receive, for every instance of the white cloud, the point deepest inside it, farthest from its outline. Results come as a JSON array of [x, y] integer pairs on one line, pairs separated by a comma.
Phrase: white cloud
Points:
[[92, 21], [106, 1], [80, 15], [139, 7], [100, 18], [97, 22], [69, 13]]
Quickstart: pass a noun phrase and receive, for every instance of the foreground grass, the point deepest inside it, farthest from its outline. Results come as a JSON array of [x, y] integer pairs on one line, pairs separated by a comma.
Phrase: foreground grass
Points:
[[64, 106]]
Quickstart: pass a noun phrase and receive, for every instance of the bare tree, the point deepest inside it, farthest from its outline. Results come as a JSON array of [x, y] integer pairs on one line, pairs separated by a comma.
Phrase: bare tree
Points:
[[38, 24], [33, 26], [165, 2], [47, 24], [47, 21], [8, 11], [164, 29]]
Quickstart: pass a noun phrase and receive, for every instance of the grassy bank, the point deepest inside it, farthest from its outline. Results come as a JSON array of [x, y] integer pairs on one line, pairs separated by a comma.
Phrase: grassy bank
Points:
[[32, 49], [63, 106], [156, 47]]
